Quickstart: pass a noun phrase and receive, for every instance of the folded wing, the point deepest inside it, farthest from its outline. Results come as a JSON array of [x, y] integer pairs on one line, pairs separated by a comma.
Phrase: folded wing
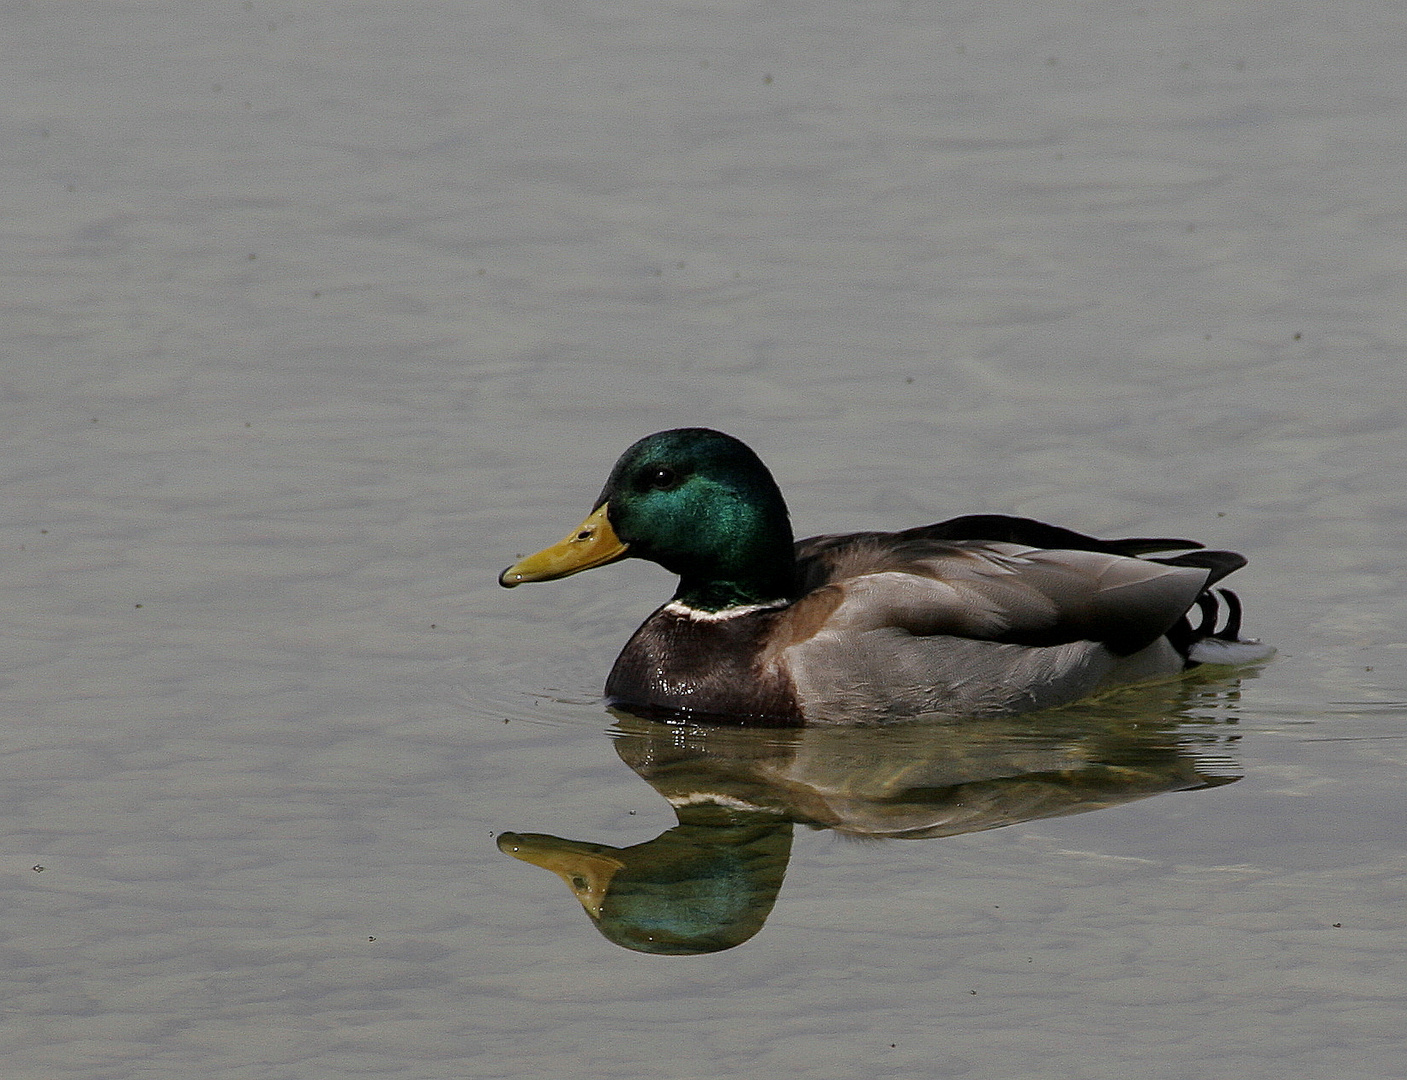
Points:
[[941, 580]]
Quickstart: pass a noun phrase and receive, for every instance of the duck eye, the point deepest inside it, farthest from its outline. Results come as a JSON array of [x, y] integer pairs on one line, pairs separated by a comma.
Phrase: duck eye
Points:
[[661, 478]]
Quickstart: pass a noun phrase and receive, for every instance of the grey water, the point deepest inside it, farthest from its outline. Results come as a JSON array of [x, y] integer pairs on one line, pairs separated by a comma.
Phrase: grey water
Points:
[[317, 314]]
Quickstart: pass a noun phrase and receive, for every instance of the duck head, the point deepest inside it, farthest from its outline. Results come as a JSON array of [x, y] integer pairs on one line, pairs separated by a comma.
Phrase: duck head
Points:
[[698, 502]]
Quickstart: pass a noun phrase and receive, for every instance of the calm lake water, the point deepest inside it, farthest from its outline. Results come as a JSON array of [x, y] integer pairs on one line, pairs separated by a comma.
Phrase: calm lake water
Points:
[[317, 314]]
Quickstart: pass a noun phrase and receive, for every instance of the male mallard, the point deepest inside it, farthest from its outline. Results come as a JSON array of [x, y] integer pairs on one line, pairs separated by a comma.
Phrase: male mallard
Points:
[[978, 615]]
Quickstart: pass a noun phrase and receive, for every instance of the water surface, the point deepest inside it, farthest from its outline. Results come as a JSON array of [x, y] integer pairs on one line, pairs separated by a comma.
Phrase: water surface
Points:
[[318, 313]]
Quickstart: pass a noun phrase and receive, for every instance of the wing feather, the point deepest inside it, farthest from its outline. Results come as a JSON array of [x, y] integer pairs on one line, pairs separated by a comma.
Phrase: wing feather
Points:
[[1009, 593]]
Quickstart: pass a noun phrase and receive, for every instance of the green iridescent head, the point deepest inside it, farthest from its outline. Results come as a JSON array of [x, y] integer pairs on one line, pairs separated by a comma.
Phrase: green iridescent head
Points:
[[699, 503]]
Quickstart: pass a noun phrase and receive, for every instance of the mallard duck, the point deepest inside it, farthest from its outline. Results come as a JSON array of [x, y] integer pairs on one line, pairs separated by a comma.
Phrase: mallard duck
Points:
[[983, 614]]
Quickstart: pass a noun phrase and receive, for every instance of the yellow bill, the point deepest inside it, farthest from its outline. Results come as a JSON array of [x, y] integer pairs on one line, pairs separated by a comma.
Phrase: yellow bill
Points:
[[586, 868], [592, 543]]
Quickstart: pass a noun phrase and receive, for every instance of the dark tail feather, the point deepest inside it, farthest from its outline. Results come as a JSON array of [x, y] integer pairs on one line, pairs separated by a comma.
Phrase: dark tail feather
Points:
[[1220, 563]]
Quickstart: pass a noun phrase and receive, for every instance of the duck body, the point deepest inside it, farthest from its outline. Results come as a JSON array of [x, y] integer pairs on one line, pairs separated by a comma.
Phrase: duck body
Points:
[[979, 615]]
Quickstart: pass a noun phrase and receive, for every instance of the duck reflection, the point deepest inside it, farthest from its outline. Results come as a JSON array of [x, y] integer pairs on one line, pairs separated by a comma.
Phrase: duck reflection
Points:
[[710, 882]]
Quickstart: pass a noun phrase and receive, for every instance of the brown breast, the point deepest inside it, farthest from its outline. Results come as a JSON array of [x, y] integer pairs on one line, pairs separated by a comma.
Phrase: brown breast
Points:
[[684, 664]]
